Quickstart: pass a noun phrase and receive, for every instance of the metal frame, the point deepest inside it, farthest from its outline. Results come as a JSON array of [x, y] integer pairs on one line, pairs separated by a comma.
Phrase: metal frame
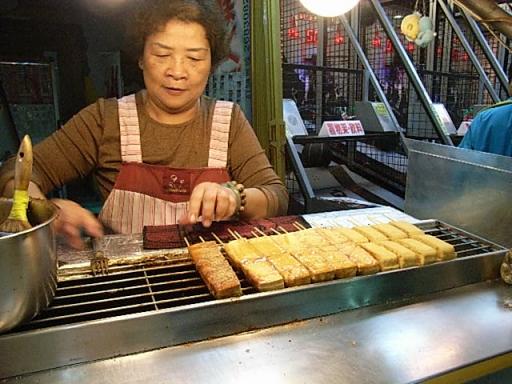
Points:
[[467, 47], [369, 71], [411, 71], [500, 73]]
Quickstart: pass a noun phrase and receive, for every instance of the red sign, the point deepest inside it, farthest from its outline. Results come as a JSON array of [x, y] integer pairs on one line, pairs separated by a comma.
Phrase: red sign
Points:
[[342, 128]]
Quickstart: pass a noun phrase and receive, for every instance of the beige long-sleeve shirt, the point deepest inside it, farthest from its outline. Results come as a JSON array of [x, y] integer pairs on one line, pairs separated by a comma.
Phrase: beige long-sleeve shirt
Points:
[[89, 142]]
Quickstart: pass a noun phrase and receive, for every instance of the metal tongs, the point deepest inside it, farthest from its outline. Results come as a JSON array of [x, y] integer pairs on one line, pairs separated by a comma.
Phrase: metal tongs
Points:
[[99, 262]]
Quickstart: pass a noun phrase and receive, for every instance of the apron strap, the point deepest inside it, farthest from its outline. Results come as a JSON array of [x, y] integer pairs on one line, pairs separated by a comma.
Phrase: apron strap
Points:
[[129, 130], [218, 152]]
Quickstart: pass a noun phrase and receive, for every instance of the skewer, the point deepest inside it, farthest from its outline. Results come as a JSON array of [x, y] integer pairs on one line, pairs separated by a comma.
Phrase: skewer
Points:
[[282, 229], [232, 233], [275, 231], [186, 241], [299, 226], [217, 238], [260, 231], [202, 240]]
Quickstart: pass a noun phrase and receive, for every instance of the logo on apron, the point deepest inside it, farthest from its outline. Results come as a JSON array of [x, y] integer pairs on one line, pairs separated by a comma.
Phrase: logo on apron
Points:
[[177, 183]]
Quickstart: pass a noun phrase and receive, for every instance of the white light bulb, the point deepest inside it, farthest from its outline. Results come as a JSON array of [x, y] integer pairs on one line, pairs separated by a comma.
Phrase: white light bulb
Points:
[[329, 8]]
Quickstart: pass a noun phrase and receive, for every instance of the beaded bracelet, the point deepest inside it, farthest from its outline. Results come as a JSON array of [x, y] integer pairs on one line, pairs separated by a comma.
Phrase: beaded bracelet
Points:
[[239, 190]]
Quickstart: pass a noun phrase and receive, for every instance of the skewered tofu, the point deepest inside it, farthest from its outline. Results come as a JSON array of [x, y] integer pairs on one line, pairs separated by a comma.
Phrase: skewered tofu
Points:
[[406, 257], [309, 236], [445, 251], [215, 271], [371, 233], [238, 253], [387, 260], [391, 232], [258, 270], [309, 256], [366, 264], [292, 271], [408, 228], [426, 253], [343, 266], [331, 235], [262, 275], [350, 234]]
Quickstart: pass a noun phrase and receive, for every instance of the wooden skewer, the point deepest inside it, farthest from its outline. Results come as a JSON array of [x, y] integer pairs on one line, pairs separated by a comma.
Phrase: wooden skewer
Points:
[[217, 238], [282, 229], [255, 234], [260, 231], [202, 240], [275, 231], [299, 226], [186, 241], [232, 233]]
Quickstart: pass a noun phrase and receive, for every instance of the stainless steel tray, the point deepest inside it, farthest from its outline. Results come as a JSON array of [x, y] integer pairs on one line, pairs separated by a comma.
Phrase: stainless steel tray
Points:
[[169, 305]]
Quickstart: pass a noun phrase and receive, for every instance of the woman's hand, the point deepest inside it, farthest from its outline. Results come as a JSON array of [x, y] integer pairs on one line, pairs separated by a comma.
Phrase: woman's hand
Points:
[[211, 202], [72, 219]]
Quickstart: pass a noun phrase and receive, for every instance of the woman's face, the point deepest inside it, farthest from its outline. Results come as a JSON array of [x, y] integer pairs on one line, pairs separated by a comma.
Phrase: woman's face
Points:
[[176, 64]]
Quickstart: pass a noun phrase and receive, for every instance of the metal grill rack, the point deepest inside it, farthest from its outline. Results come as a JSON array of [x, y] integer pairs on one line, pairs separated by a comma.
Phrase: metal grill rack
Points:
[[153, 286], [154, 305], [128, 289]]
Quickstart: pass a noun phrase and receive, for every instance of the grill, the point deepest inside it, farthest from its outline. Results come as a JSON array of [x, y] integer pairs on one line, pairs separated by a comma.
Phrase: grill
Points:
[[128, 289], [160, 303], [161, 284]]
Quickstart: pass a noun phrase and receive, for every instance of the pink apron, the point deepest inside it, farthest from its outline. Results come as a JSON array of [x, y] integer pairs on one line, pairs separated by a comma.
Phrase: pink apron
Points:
[[146, 194]]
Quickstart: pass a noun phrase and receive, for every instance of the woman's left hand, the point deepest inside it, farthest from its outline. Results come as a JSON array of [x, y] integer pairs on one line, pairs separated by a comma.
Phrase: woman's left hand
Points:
[[210, 202]]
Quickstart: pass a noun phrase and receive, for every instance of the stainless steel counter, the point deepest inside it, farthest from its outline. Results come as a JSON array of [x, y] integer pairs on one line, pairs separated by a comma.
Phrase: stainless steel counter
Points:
[[391, 343]]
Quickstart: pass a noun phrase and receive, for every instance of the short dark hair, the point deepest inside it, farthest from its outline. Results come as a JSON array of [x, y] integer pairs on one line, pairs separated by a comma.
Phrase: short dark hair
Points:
[[152, 15]]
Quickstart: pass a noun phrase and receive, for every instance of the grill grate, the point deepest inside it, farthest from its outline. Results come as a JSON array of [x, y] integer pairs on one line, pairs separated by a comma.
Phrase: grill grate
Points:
[[155, 285]]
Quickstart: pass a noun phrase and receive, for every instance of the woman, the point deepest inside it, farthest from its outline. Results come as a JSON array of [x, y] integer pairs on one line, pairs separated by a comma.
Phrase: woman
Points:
[[163, 155]]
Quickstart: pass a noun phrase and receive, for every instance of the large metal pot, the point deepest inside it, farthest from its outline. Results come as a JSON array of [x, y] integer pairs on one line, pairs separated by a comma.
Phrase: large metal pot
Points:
[[28, 265]]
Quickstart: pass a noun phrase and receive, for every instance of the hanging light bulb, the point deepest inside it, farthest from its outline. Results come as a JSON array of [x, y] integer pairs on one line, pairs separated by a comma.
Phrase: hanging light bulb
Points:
[[329, 8]]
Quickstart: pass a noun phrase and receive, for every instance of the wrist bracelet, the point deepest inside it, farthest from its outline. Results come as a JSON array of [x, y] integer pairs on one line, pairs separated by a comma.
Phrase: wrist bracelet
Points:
[[239, 190]]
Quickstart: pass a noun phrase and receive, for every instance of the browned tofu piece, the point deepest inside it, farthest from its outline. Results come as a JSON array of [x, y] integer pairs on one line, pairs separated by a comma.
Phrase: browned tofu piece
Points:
[[238, 252], [406, 227], [371, 233], [426, 253], [343, 266], [445, 251], [406, 257], [292, 271], [215, 271], [319, 268], [391, 232], [366, 263], [387, 260], [309, 236], [255, 266], [262, 275], [350, 234]]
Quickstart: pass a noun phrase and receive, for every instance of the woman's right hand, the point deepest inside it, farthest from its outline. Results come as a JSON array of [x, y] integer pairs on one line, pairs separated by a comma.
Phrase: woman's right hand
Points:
[[72, 219]]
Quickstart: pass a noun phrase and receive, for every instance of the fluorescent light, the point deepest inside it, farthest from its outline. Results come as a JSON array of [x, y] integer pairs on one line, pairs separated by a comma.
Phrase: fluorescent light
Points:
[[329, 8]]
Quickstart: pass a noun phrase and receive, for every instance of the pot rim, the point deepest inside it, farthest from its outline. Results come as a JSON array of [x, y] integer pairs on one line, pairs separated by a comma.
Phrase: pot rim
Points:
[[36, 227]]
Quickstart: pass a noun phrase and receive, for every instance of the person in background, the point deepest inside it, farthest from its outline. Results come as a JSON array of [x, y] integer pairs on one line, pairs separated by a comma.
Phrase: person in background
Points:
[[491, 129], [166, 154]]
